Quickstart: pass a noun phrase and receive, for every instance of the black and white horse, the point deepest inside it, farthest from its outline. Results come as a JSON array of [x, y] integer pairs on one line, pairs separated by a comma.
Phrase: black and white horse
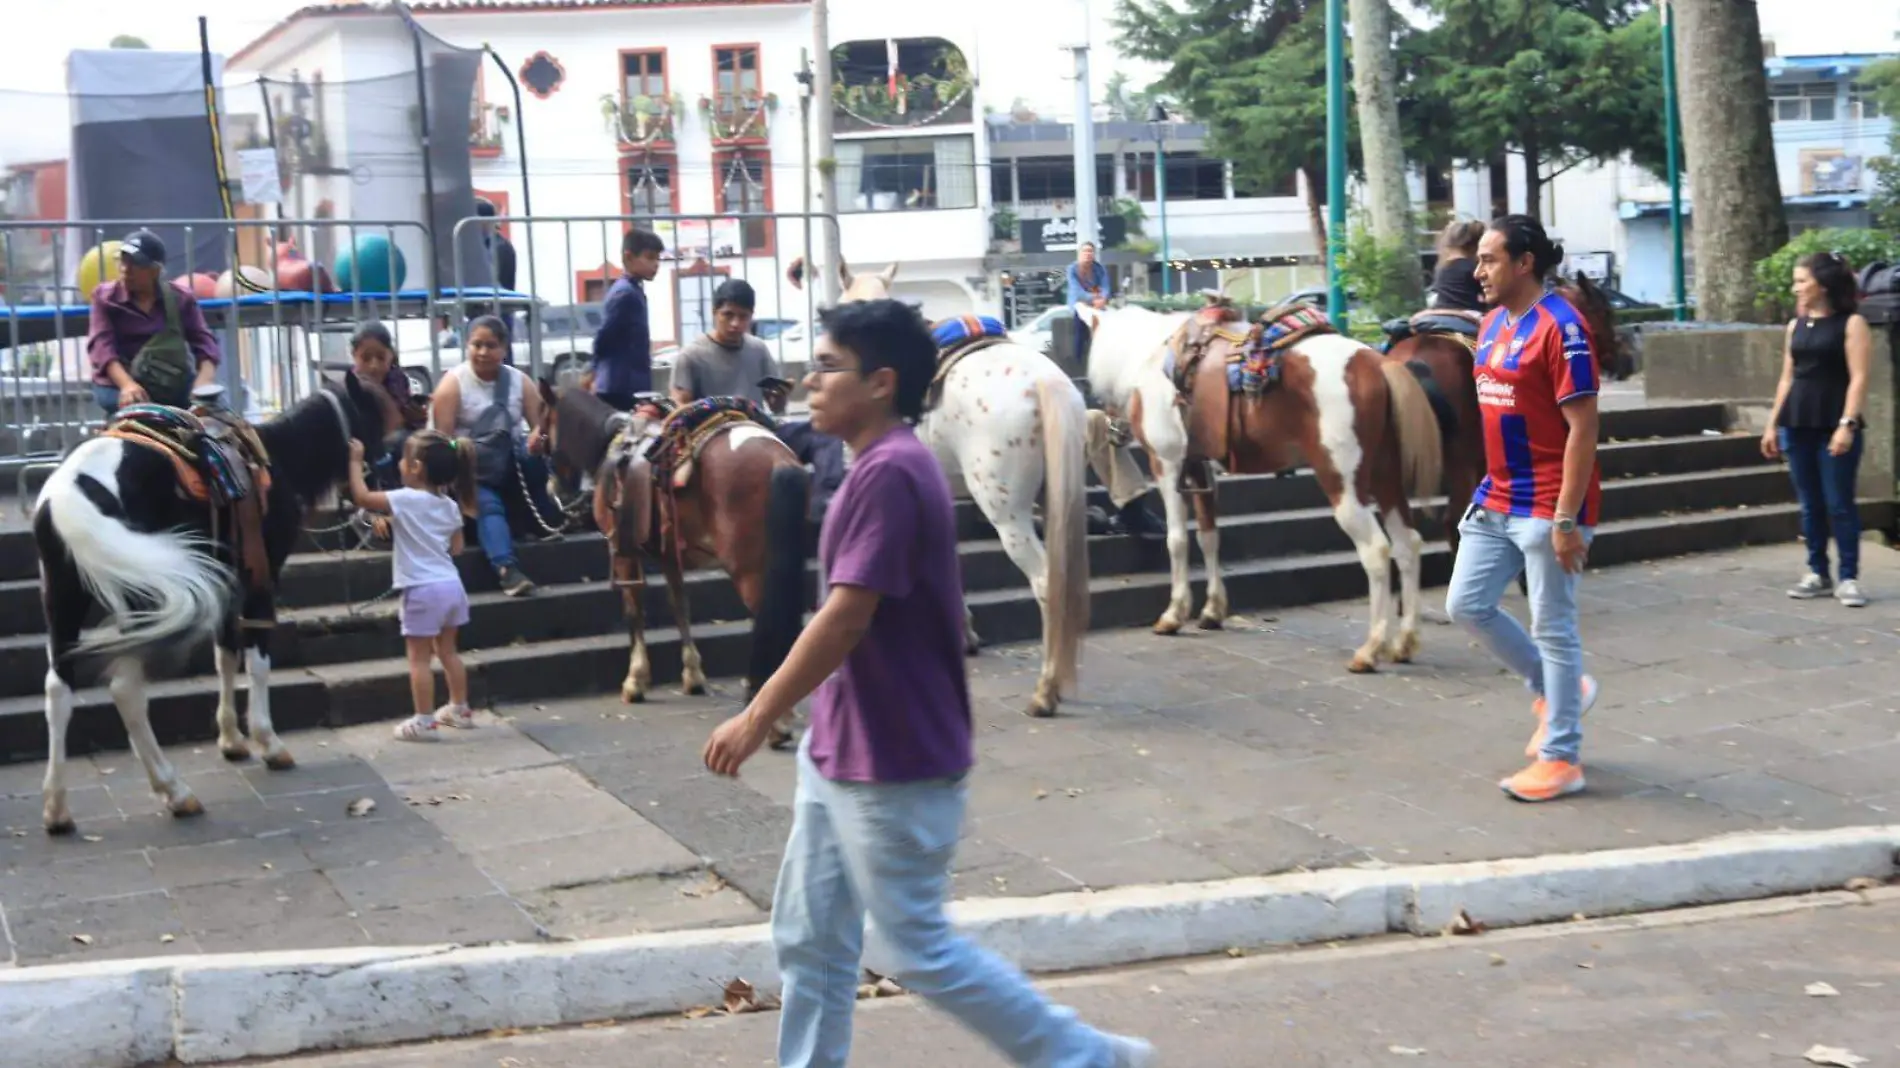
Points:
[[114, 529]]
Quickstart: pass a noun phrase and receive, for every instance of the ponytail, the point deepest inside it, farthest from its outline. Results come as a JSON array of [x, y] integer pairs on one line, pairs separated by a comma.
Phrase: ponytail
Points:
[[1524, 235], [465, 475], [447, 464]]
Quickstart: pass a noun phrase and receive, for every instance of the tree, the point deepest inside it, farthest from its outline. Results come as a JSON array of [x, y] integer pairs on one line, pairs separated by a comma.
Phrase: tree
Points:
[[1560, 82], [1730, 150], [1254, 71], [1375, 91], [1131, 105], [1884, 78], [126, 40]]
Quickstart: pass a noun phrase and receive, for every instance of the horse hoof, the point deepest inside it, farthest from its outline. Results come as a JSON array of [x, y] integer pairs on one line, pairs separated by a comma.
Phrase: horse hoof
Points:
[[1211, 622], [236, 754], [972, 649], [61, 828], [1167, 626], [280, 761], [631, 696], [188, 808], [697, 689], [1038, 710], [1362, 665]]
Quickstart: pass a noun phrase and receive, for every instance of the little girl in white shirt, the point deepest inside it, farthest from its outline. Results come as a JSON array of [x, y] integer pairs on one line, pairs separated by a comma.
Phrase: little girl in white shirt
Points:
[[426, 514]]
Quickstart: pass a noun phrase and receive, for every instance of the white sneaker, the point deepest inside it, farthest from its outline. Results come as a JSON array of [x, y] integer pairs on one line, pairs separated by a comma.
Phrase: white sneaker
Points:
[[1848, 593], [417, 729], [1131, 1052], [457, 716], [1810, 587]]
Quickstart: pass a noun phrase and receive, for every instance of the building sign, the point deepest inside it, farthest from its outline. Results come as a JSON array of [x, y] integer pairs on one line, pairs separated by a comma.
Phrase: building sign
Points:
[[691, 240], [1829, 171], [1597, 266], [1058, 235]]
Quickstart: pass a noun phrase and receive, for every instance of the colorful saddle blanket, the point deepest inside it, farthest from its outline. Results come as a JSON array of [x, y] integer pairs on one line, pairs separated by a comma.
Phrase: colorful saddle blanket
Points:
[[218, 458], [1254, 360], [957, 338], [686, 432]]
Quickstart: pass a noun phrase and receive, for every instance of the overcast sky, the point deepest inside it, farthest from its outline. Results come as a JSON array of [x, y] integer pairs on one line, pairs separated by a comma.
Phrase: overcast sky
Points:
[[1019, 39]]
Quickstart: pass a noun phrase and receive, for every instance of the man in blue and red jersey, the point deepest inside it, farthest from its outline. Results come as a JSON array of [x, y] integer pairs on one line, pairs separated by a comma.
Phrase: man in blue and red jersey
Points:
[[1535, 511]]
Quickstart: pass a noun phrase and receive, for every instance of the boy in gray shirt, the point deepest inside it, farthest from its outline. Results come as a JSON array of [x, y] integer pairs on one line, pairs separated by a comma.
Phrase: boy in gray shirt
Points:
[[727, 361]]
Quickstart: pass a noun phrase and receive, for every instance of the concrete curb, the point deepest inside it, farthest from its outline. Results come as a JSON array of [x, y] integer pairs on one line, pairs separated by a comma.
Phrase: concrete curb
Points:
[[203, 1009]]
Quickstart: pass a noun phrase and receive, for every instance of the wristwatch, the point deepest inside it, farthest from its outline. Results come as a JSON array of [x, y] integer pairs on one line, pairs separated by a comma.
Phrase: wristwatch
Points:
[[1566, 525], [1851, 423]]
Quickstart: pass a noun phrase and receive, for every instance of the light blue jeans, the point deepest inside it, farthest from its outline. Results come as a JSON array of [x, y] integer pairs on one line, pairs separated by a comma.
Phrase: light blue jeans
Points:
[[885, 849], [1492, 549]]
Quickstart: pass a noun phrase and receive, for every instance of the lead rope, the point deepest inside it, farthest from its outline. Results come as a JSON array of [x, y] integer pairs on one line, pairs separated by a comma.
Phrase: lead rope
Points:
[[357, 520]]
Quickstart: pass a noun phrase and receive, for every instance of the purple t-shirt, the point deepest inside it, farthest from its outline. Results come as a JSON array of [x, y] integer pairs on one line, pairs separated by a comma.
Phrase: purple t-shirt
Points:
[[898, 710]]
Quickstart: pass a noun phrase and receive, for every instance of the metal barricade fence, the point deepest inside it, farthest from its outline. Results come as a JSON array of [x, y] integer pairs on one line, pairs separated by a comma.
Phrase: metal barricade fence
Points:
[[578, 257], [275, 342]]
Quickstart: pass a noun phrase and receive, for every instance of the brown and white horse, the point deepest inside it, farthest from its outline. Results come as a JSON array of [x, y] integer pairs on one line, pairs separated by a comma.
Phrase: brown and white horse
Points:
[[1010, 426], [1365, 425], [740, 508]]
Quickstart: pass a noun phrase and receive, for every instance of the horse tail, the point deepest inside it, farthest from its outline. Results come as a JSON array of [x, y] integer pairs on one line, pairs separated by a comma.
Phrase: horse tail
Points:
[[1421, 437], [1065, 527], [161, 587], [782, 598]]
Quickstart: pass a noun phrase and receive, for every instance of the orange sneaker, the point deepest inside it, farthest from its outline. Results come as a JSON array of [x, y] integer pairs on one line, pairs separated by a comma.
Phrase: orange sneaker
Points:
[[1542, 712], [1545, 780]]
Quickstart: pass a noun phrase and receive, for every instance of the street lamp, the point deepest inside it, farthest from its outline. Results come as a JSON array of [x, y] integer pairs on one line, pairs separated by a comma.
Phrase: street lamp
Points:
[[1672, 132], [1158, 118]]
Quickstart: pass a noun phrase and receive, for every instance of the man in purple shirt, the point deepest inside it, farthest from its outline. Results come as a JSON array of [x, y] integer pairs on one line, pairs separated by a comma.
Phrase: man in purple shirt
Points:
[[130, 312], [881, 774]]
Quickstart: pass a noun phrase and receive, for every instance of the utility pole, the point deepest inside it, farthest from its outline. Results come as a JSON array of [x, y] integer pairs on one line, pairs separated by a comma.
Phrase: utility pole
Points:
[[1086, 228], [804, 77], [1158, 117], [827, 161], [1672, 132], [1336, 161]]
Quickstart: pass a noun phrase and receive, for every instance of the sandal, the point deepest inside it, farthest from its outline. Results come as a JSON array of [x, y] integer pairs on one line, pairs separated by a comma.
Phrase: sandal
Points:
[[417, 729]]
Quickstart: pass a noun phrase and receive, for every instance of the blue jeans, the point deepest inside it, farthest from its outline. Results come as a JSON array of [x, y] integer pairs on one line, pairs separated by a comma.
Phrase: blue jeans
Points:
[[106, 397], [1825, 485], [886, 848], [1492, 549], [493, 528]]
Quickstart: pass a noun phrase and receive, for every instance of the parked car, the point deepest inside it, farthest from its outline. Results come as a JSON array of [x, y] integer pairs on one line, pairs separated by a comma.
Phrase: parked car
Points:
[[1039, 333]]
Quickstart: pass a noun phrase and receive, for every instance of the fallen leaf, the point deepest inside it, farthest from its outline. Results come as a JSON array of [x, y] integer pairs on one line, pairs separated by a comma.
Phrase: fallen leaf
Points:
[[83, 939], [505, 1032], [698, 1012], [91, 838], [887, 987], [268, 865], [1497, 961], [1073, 791], [166, 939], [1406, 1051], [740, 997], [1863, 884], [362, 806], [1463, 924], [1587, 966], [1236, 952], [1041, 793], [706, 887], [1834, 1057], [1820, 990]]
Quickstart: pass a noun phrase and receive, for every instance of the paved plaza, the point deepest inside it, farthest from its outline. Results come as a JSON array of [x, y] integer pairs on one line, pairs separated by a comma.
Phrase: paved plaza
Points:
[[1726, 707]]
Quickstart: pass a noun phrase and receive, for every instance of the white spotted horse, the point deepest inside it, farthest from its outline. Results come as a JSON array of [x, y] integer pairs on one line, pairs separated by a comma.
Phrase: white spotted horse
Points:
[[177, 525], [1008, 425], [1203, 388]]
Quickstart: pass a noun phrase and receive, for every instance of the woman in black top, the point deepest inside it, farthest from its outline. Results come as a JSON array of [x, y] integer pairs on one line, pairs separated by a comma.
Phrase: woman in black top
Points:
[[1454, 285], [1816, 422]]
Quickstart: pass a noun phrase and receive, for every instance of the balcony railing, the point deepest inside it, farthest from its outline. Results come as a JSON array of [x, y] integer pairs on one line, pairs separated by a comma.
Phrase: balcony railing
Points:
[[918, 102], [642, 121], [487, 128], [738, 118]]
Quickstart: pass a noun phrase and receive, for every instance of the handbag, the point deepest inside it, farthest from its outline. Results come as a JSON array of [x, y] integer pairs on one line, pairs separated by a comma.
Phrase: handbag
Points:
[[163, 366]]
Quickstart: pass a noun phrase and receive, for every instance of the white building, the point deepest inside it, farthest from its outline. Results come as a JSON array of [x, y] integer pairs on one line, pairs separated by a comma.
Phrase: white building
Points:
[[678, 114]]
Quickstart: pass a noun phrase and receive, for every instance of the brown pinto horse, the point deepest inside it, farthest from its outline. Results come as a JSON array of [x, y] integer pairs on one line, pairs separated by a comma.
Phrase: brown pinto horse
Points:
[[1365, 425], [1446, 358], [723, 491]]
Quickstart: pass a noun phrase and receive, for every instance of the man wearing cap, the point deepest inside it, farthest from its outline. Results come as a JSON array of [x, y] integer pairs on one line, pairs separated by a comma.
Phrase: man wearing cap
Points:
[[135, 313]]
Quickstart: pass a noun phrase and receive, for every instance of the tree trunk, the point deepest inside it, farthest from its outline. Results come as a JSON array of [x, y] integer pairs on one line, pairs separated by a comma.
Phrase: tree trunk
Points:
[[1729, 148], [1315, 208], [1533, 179], [1374, 81]]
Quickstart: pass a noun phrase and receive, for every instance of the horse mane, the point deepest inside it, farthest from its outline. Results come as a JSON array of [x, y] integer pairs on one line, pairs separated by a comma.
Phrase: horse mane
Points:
[[309, 453], [1590, 300], [585, 427]]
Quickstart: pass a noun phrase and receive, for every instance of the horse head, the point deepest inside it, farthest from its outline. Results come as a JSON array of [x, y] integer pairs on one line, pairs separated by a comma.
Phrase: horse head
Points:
[[1589, 299], [859, 287]]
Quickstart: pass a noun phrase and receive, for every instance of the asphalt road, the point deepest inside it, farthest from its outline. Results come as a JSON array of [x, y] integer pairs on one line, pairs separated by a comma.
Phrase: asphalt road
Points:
[[1725, 987]]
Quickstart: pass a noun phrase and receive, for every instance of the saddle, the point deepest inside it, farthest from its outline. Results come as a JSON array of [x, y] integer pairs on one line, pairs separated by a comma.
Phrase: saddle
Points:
[[1456, 323], [1252, 356], [651, 467], [220, 462], [957, 338]]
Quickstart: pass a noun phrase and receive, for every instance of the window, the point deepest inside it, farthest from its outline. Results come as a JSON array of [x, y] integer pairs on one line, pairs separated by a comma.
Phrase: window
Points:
[[735, 77], [643, 74], [909, 173], [650, 189], [1809, 102], [744, 186], [1192, 176], [1288, 185], [1046, 178], [1863, 102]]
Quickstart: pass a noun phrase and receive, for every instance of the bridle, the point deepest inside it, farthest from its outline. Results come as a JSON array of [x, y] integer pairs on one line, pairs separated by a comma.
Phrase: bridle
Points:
[[342, 419]]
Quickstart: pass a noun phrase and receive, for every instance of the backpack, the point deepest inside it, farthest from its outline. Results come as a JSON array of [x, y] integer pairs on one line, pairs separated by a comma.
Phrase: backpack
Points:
[[1880, 293], [164, 365], [494, 437]]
